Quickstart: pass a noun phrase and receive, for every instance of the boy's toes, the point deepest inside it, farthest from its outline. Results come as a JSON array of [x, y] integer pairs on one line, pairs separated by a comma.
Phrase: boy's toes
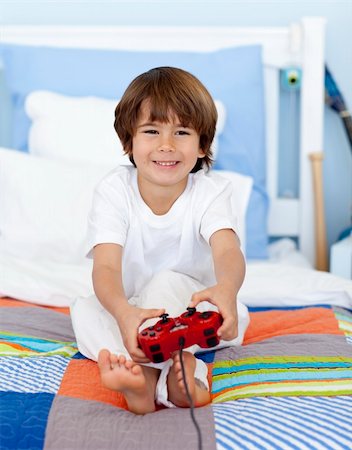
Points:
[[104, 362], [136, 369], [122, 360], [113, 359]]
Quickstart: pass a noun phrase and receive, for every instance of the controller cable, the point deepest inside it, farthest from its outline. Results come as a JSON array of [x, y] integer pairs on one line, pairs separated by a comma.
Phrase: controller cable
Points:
[[191, 407]]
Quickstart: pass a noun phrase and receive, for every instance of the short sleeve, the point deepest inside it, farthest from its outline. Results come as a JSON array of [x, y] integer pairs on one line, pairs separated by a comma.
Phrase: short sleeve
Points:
[[108, 218], [219, 214]]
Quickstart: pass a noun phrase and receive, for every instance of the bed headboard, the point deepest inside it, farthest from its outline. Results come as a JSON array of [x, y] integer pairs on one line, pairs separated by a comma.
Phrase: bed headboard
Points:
[[300, 44]]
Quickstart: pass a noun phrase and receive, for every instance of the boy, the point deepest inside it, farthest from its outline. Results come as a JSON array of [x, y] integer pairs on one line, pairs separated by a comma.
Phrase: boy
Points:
[[162, 236]]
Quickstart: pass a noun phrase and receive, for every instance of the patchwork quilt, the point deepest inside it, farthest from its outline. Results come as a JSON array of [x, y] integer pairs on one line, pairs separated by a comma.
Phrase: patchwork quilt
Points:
[[288, 387]]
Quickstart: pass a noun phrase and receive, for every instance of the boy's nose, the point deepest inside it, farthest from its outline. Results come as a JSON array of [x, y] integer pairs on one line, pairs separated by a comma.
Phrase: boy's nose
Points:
[[166, 146]]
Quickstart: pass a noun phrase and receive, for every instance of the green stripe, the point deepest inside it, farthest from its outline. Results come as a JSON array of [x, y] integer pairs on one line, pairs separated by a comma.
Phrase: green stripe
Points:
[[274, 371], [345, 326], [343, 317], [343, 387], [65, 351], [280, 363], [280, 359]]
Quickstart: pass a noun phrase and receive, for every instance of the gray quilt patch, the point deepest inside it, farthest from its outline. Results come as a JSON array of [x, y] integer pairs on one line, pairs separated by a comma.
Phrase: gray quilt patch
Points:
[[289, 345], [38, 322], [89, 425]]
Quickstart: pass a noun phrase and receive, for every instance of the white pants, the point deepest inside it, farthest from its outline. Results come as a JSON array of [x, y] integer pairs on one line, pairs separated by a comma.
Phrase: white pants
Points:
[[95, 328]]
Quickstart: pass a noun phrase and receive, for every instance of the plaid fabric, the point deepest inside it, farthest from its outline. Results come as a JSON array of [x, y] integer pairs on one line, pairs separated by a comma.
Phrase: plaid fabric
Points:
[[288, 386]]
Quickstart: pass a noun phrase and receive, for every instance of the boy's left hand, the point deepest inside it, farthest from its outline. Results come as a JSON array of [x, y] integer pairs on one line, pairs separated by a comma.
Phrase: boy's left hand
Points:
[[226, 304]]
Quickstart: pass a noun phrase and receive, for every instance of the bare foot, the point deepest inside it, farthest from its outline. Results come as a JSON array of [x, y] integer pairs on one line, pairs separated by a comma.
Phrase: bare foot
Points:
[[176, 387], [135, 382]]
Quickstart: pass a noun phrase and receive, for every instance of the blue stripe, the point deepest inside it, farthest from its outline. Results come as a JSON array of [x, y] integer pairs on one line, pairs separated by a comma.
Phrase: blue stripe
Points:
[[301, 421], [220, 429], [270, 408], [267, 427], [333, 406], [285, 308], [322, 415], [244, 380], [34, 374], [36, 344], [233, 368]]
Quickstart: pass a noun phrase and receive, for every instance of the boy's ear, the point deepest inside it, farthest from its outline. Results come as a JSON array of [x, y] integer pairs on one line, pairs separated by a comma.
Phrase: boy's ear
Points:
[[201, 153]]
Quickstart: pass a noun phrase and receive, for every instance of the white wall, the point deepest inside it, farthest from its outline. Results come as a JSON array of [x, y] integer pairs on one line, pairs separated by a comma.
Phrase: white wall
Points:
[[338, 160]]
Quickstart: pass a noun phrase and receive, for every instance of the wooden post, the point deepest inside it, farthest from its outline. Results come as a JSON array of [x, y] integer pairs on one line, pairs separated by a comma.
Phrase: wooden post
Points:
[[321, 258]]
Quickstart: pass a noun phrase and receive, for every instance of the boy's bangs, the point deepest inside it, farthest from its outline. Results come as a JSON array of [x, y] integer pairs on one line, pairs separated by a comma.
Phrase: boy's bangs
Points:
[[166, 110]]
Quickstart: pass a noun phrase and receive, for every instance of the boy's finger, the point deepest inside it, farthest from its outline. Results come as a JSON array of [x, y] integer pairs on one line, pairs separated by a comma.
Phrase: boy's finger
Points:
[[228, 329], [151, 313], [227, 333], [138, 355], [199, 297]]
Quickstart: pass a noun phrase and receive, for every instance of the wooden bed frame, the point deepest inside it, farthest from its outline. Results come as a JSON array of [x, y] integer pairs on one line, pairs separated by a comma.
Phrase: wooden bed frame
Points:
[[300, 44]]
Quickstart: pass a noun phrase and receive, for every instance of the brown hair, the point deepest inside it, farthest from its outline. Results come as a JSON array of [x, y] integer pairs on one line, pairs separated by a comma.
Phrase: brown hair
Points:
[[169, 91]]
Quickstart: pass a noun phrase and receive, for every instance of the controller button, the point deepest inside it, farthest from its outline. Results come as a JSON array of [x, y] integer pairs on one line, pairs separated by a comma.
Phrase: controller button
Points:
[[158, 358], [209, 332], [158, 329], [190, 312], [155, 348], [205, 315], [152, 333], [164, 318], [151, 328], [211, 342], [144, 333]]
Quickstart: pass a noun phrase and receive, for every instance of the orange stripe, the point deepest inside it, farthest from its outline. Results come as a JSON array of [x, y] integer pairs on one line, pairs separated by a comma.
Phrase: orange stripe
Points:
[[267, 324], [17, 346], [15, 303]]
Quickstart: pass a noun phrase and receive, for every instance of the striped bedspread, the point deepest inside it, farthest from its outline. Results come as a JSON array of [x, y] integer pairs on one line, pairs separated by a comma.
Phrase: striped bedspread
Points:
[[288, 387]]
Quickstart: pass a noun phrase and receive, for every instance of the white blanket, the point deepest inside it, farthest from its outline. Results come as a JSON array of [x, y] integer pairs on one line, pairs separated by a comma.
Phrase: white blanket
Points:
[[266, 283]]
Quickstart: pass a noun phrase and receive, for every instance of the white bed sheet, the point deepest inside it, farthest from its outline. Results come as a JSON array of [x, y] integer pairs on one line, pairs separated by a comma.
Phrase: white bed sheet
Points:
[[285, 280]]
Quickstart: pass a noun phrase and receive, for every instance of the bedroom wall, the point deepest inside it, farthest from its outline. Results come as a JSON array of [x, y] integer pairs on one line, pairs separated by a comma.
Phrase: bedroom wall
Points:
[[338, 160]]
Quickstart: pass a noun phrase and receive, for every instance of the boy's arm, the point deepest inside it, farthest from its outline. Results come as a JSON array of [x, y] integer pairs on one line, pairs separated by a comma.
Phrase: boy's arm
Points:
[[229, 266], [107, 277], [108, 287]]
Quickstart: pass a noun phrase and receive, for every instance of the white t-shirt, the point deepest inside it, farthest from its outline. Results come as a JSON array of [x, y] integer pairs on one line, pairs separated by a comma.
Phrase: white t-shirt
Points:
[[177, 240]]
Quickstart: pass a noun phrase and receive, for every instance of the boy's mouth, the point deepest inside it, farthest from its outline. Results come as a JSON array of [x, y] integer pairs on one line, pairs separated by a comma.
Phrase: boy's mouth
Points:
[[166, 163]]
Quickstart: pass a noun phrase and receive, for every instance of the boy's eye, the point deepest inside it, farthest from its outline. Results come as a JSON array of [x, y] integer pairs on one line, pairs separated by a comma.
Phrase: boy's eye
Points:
[[150, 131], [183, 133]]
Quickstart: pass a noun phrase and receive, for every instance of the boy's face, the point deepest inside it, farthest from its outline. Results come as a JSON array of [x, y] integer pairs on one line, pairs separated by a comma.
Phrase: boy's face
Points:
[[164, 153]]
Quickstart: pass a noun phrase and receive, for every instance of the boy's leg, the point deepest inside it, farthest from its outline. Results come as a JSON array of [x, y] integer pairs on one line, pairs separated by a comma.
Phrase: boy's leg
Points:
[[99, 338], [95, 328], [173, 291], [177, 390]]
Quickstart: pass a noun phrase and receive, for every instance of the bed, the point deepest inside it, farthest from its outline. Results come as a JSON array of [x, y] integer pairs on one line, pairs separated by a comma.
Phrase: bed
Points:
[[290, 385]]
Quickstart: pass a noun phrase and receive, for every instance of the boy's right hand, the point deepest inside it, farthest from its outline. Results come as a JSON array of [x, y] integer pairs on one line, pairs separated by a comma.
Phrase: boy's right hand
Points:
[[129, 319]]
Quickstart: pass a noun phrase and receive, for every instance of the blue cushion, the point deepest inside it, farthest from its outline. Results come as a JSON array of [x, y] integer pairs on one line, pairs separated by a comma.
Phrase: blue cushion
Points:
[[233, 75]]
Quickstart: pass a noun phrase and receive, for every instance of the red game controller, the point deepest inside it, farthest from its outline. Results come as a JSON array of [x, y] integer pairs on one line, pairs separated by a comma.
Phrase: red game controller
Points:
[[170, 334]]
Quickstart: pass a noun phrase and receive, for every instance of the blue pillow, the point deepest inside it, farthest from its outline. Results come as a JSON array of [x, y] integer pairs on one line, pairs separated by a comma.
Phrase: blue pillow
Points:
[[233, 75]]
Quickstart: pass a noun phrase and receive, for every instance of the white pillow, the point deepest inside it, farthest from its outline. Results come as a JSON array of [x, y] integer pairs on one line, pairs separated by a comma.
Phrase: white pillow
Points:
[[44, 206], [80, 128]]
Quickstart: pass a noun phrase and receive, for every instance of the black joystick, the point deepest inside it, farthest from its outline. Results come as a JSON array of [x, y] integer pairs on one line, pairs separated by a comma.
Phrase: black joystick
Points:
[[164, 318], [191, 311]]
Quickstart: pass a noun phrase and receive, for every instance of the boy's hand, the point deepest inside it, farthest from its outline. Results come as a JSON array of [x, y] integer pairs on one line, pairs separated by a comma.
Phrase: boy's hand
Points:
[[129, 320], [225, 301]]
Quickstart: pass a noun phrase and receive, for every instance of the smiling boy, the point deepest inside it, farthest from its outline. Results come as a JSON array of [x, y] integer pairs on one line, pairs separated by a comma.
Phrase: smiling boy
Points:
[[162, 234]]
